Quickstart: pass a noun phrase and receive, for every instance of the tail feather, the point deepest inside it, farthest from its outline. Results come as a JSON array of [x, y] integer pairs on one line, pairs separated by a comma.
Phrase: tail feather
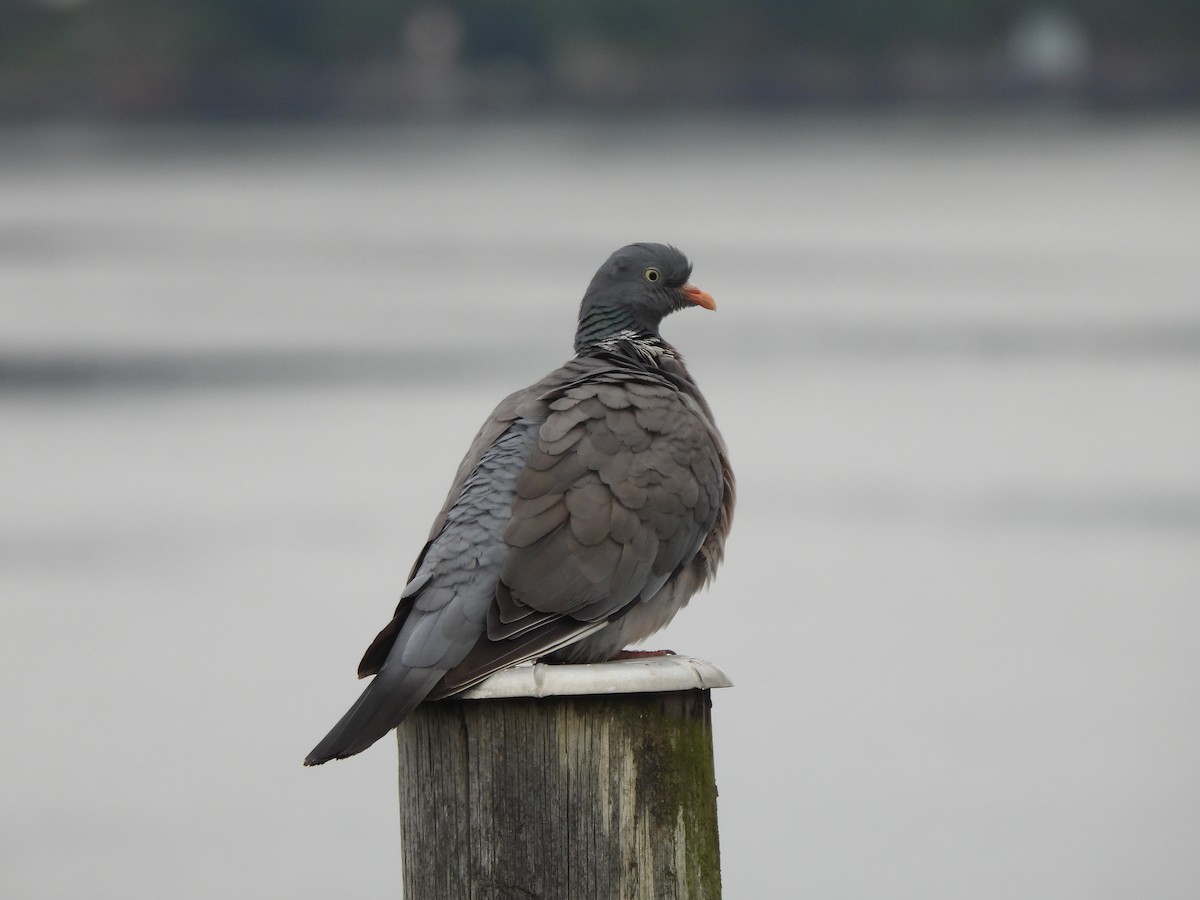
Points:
[[391, 695], [398, 689]]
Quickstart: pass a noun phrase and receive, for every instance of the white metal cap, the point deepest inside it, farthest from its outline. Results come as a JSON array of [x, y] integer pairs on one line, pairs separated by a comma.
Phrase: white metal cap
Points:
[[639, 675]]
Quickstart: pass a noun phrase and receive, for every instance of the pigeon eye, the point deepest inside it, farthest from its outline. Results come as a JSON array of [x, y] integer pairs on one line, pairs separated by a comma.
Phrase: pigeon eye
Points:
[[652, 275]]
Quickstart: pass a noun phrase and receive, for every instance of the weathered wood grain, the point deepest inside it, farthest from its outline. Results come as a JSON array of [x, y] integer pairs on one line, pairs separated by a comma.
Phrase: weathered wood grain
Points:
[[560, 798]]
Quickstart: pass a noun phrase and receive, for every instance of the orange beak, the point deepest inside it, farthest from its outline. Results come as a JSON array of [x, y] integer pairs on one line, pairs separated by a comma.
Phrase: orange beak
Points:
[[699, 297]]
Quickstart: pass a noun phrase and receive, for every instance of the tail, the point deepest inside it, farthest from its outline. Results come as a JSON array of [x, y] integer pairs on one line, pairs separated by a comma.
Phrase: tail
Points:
[[390, 696]]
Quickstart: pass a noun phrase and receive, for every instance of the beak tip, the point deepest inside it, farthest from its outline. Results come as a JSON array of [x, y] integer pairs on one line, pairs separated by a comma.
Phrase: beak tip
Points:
[[700, 297]]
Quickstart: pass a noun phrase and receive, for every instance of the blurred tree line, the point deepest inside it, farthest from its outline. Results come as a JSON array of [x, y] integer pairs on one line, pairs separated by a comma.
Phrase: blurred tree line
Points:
[[255, 57]]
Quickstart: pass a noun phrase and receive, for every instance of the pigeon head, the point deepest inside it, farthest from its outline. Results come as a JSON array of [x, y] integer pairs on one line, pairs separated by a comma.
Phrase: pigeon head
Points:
[[633, 291]]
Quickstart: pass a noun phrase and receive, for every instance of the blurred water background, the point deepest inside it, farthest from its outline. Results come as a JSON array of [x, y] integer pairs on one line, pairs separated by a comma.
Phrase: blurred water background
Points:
[[956, 357]]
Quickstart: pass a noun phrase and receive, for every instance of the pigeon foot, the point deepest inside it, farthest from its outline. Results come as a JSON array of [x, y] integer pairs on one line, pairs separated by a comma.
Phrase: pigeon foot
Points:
[[641, 654]]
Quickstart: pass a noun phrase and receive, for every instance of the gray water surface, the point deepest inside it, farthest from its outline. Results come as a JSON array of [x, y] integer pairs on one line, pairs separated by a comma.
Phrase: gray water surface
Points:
[[958, 367]]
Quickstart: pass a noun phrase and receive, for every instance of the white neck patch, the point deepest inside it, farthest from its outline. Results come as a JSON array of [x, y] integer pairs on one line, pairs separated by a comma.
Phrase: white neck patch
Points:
[[648, 348]]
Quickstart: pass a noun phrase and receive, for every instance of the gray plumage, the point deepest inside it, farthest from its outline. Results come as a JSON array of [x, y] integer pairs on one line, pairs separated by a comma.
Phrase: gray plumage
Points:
[[589, 509]]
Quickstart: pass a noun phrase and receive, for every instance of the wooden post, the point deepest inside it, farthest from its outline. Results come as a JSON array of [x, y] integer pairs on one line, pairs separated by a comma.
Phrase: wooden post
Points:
[[564, 783]]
